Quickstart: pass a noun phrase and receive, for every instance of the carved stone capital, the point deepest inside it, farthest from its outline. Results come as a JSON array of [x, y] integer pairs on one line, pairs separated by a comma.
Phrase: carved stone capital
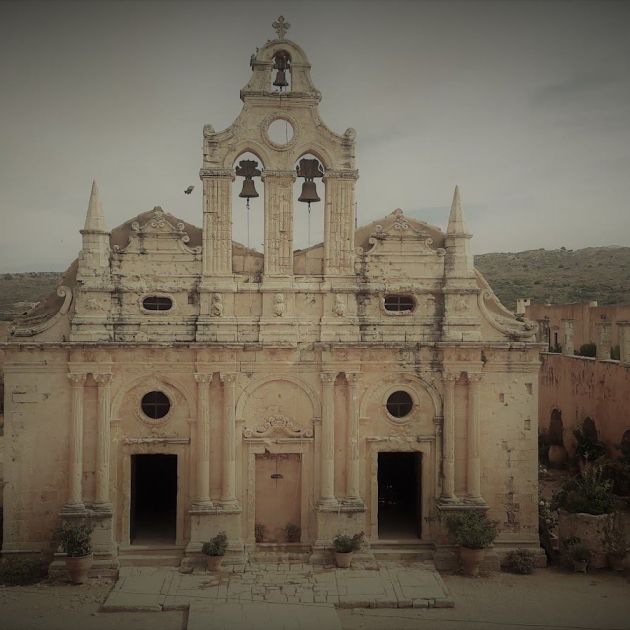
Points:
[[474, 377], [203, 378], [353, 377], [226, 173], [77, 378], [450, 377], [328, 377], [103, 379], [227, 378]]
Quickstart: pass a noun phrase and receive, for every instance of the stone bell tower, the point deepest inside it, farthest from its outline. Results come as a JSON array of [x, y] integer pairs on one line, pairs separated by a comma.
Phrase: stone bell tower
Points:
[[296, 104]]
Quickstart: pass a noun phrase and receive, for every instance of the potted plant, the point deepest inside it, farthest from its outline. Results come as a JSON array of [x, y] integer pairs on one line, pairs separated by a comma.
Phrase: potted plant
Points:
[[293, 532], [615, 541], [580, 556], [473, 532], [259, 532], [76, 542], [584, 504], [520, 561], [345, 546], [215, 550]]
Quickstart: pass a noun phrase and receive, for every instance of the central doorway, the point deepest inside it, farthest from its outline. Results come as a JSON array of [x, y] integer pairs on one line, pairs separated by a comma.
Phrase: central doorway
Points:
[[278, 497], [153, 499], [399, 496]]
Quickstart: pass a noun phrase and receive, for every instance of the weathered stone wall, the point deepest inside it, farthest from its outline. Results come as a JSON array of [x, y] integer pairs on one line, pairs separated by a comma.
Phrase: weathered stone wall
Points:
[[581, 387]]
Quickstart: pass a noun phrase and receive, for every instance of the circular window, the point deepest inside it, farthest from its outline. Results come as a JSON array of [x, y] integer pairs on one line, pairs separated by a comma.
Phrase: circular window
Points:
[[155, 405], [399, 404], [280, 131]]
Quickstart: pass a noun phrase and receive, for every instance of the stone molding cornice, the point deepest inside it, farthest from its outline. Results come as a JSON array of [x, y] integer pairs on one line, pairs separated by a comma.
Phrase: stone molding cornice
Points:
[[102, 378], [217, 173], [203, 378], [328, 377]]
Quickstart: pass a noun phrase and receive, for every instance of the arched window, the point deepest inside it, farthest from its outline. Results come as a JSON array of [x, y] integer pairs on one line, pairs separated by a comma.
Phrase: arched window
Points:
[[556, 428]]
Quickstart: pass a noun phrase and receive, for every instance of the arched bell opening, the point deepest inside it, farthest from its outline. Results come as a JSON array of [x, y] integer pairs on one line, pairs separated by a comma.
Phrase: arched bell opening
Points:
[[248, 201], [281, 72], [308, 202]]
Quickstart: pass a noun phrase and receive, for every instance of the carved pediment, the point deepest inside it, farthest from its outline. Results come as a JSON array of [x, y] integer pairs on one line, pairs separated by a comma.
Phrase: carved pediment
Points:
[[400, 235], [279, 426], [159, 232]]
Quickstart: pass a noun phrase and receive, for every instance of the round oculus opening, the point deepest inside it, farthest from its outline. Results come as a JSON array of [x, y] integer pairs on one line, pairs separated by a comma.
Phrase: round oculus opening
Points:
[[157, 303], [155, 405], [280, 131], [399, 404]]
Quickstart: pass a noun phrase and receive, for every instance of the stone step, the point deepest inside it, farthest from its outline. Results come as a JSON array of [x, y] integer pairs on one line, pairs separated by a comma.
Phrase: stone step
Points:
[[151, 560], [280, 552], [402, 550]]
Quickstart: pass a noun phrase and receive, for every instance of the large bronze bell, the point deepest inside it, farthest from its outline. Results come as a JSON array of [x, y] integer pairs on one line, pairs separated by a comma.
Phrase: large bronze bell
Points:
[[249, 189], [309, 193], [281, 64]]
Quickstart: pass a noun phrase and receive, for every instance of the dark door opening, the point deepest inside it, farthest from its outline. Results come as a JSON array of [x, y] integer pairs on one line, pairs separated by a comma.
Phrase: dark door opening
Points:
[[153, 499], [399, 506]]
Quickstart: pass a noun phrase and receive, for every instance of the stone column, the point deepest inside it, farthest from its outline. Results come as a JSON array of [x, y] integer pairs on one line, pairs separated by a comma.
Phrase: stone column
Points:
[[473, 468], [567, 342], [75, 459], [278, 223], [339, 222], [624, 341], [228, 487], [448, 444], [203, 501], [217, 221], [353, 492], [603, 340], [102, 499], [327, 446]]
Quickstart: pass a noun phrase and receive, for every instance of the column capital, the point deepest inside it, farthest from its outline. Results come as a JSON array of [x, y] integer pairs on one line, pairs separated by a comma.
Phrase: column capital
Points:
[[227, 378], [203, 378], [449, 377], [328, 377], [279, 174], [77, 378], [474, 377], [103, 379], [353, 377], [224, 173]]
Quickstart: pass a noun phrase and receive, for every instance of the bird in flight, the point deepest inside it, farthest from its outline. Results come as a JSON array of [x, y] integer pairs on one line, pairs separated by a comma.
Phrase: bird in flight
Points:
[[189, 190]]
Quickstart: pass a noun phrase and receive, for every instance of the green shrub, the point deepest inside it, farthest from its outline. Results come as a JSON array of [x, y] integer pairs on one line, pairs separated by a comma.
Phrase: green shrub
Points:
[[520, 561], [75, 540], [587, 350], [21, 571], [588, 446], [547, 521], [471, 529], [216, 546], [344, 543], [588, 493]]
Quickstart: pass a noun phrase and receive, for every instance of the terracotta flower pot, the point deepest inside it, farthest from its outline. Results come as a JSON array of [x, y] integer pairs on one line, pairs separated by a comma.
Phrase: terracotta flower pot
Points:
[[471, 560], [343, 560], [214, 563], [78, 568], [558, 456]]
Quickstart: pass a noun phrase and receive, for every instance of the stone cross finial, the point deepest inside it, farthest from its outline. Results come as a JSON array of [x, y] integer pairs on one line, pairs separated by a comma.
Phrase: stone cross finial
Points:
[[281, 27]]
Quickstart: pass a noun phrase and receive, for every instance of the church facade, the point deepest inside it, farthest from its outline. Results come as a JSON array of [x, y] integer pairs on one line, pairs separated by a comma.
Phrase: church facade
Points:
[[179, 383]]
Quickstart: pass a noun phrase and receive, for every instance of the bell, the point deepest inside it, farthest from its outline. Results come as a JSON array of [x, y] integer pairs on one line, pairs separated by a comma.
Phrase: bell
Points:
[[281, 79], [249, 189], [309, 193]]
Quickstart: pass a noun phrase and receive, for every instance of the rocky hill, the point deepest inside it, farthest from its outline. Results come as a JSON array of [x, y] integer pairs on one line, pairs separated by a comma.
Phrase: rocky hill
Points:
[[557, 275]]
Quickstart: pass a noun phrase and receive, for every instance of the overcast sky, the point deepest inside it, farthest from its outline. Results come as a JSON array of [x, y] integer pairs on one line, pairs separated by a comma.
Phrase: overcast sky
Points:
[[525, 105]]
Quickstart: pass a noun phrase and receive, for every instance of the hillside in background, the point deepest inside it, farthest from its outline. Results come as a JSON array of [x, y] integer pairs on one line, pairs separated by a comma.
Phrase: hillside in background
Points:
[[557, 275]]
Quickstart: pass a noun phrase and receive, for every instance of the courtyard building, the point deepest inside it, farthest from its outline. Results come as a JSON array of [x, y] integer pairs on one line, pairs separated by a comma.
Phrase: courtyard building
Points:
[[179, 383]]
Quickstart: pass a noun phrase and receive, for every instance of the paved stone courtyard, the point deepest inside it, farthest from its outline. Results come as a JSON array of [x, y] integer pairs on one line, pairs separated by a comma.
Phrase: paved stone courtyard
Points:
[[308, 594]]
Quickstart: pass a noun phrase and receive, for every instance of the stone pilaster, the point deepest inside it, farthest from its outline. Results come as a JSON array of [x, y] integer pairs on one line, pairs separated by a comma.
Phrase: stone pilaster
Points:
[[448, 442], [75, 454], [327, 446], [228, 486], [624, 341], [339, 223], [102, 498], [567, 341], [203, 501], [217, 221], [278, 223], [353, 492], [603, 340], [473, 466]]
